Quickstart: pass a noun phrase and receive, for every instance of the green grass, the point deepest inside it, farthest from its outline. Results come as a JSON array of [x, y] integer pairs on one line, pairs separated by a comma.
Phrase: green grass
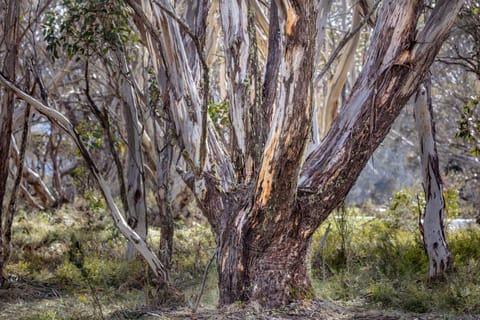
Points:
[[383, 264], [48, 284], [376, 263]]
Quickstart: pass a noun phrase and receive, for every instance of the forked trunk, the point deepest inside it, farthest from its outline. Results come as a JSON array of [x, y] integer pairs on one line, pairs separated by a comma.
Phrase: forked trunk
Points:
[[264, 224]]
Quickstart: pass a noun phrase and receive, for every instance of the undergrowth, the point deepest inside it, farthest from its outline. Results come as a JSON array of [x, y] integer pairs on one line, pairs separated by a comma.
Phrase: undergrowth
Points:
[[381, 261], [70, 264]]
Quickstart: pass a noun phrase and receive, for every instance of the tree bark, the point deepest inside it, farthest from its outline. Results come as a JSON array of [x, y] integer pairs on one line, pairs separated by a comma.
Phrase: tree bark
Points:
[[261, 257], [10, 30], [137, 209], [433, 232]]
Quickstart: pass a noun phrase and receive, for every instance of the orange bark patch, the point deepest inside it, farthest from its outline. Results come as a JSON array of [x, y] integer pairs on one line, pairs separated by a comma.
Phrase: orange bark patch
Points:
[[292, 19]]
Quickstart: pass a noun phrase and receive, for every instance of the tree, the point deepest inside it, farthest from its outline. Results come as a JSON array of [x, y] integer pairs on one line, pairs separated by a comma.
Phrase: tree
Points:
[[264, 216], [10, 30], [262, 195], [433, 231]]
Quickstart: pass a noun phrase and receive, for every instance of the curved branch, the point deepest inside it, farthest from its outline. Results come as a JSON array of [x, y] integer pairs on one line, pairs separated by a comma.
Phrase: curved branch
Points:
[[63, 122]]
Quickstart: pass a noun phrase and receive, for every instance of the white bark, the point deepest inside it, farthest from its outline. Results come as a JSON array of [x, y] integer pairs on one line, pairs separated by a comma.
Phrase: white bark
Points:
[[184, 97], [234, 18], [137, 210], [433, 227], [323, 10]]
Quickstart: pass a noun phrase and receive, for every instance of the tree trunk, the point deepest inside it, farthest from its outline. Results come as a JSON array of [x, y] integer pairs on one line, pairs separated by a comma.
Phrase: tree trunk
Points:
[[7, 225], [271, 271], [137, 210], [264, 227], [10, 29], [433, 229], [336, 83]]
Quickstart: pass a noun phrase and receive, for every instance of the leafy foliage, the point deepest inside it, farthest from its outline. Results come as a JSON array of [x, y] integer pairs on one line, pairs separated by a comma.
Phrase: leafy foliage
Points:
[[218, 112], [469, 126], [83, 28]]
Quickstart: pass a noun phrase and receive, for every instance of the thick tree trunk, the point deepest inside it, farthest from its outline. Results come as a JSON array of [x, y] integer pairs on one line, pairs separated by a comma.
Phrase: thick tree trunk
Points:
[[433, 229], [264, 227], [272, 272]]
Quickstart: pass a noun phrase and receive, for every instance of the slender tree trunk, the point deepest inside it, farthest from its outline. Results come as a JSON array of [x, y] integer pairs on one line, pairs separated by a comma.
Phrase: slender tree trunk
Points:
[[10, 29], [7, 226], [137, 209], [433, 228], [335, 85], [55, 144], [164, 198]]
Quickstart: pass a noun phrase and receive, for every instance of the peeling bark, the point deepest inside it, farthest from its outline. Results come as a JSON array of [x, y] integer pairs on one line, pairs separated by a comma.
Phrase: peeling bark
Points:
[[335, 85], [263, 226], [433, 232], [391, 74]]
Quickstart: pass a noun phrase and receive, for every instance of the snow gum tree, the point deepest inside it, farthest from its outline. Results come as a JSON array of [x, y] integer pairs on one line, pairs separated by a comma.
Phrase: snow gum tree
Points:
[[262, 193], [263, 196]]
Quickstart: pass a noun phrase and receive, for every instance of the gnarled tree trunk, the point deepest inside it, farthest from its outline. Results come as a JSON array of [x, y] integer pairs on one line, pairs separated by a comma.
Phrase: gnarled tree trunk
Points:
[[264, 224]]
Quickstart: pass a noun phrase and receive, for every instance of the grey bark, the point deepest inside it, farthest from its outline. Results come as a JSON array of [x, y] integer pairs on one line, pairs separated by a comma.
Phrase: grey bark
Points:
[[10, 31]]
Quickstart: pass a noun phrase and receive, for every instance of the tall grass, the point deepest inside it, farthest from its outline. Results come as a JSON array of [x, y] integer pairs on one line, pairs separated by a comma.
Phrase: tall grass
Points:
[[383, 263]]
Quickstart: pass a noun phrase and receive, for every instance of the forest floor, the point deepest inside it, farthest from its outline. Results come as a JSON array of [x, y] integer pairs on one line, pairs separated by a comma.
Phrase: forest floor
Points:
[[43, 301], [372, 271]]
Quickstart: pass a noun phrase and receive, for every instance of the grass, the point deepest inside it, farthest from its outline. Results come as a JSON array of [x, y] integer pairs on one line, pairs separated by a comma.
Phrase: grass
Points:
[[383, 265], [373, 264], [50, 281]]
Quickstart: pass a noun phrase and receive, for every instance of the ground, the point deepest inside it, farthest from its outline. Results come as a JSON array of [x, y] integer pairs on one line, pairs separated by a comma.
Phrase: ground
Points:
[[34, 300], [367, 269]]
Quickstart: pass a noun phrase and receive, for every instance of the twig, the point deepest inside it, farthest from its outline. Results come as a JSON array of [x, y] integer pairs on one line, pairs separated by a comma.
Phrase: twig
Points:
[[324, 238], [202, 288]]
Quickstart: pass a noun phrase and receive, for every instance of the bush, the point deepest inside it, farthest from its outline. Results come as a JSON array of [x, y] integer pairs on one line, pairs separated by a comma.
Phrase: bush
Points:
[[386, 264]]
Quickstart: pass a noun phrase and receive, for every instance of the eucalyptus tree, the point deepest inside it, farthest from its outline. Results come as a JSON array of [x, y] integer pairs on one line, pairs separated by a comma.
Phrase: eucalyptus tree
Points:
[[264, 197], [432, 228], [262, 193]]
